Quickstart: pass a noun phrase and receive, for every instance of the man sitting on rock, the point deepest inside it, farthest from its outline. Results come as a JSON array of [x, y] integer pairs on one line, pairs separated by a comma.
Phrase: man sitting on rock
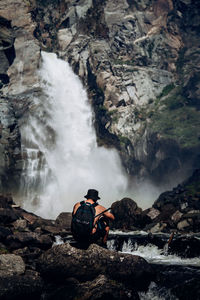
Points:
[[90, 221]]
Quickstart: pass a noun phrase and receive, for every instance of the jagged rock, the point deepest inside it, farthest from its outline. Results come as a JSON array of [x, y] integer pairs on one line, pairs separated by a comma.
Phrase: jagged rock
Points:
[[158, 228], [183, 225], [63, 261], [176, 216], [11, 264], [153, 213], [20, 225], [27, 50]]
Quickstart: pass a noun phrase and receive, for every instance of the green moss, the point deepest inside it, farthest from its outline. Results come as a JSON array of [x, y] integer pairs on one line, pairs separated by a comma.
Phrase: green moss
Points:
[[193, 188], [181, 124], [167, 89], [124, 141], [3, 251], [181, 61]]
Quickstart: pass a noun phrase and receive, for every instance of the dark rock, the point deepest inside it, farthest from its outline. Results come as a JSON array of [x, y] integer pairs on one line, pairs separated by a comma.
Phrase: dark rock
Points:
[[22, 239], [187, 290], [127, 214], [6, 201], [64, 261], [64, 220], [27, 286], [99, 288], [179, 208], [183, 282], [7, 216], [185, 246], [4, 232]]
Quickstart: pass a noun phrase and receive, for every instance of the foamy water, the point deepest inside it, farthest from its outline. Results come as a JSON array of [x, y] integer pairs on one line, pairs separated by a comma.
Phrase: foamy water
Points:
[[153, 254]]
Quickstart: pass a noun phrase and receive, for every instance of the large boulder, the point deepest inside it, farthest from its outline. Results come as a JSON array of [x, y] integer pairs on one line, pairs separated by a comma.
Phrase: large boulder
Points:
[[64, 261], [128, 215], [64, 220]]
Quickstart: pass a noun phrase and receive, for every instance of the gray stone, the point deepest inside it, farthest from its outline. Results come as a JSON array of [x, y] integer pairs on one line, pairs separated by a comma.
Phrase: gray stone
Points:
[[183, 225], [11, 264]]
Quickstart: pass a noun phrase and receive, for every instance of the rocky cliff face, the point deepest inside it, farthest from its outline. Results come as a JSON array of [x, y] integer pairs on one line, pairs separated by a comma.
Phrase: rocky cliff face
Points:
[[139, 61]]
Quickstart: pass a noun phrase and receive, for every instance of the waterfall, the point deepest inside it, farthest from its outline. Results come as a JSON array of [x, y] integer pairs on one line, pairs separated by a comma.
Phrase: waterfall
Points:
[[63, 159]]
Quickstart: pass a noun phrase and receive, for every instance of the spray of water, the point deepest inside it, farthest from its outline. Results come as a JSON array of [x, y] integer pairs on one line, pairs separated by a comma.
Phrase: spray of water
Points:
[[60, 130]]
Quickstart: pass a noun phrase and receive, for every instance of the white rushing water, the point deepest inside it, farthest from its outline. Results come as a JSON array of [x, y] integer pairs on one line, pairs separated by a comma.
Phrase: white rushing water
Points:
[[155, 255], [59, 141]]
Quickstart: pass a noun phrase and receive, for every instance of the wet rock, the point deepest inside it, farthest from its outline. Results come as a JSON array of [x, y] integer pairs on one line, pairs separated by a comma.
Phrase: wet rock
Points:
[[11, 264], [64, 261], [186, 246], [182, 282]]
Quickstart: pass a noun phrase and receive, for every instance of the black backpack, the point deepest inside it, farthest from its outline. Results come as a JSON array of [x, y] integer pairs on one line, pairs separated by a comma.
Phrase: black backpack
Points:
[[83, 221]]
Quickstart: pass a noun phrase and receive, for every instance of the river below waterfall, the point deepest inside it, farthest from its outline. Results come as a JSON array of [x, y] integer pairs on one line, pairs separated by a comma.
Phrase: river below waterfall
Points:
[[172, 272], [171, 269]]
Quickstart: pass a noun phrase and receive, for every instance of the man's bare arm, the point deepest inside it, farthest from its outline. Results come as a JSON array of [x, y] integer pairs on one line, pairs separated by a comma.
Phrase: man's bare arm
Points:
[[109, 215]]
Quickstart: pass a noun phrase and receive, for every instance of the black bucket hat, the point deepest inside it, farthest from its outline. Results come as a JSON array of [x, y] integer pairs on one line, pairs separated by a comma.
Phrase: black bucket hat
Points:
[[92, 194]]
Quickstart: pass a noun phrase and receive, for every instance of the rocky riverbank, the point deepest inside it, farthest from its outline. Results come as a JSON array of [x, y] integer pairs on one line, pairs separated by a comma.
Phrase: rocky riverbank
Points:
[[174, 211], [33, 265]]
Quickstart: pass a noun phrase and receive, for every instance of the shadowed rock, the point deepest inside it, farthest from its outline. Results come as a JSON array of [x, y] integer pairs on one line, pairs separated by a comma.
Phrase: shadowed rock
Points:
[[63, 261]]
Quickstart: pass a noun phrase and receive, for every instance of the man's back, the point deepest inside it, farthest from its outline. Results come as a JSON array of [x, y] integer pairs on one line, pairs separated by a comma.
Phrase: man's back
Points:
[[88, 209], [98, 210]]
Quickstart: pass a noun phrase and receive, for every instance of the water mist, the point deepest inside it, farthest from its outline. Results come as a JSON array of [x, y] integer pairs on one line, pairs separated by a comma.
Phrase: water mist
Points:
[[62, 157]]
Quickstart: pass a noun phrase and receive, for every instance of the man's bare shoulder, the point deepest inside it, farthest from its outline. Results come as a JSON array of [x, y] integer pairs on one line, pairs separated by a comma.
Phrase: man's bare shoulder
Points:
[[101, 207]]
